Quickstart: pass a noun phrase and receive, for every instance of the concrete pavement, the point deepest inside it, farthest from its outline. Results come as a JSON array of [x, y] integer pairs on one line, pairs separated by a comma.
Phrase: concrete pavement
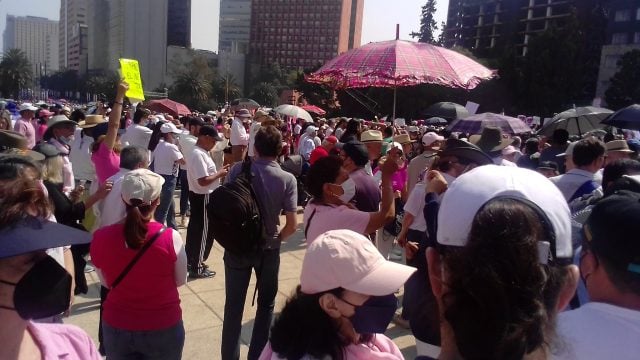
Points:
[[203, 305]]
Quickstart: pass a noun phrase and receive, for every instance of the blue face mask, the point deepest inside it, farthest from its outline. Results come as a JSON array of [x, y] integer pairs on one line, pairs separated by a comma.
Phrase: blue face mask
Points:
[[374, 316]]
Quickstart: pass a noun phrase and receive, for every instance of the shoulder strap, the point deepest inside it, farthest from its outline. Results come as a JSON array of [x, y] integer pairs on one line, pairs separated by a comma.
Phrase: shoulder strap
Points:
[[246, 167], [135, 259], [306, 228], [586, 188]]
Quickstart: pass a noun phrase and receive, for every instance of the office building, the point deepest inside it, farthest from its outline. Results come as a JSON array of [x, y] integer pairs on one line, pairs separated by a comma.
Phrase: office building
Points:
[[37, 37], [98, 34], [179, 23], [235, 26], [623, 35], [300, 34], [486, 26], [73, 34]]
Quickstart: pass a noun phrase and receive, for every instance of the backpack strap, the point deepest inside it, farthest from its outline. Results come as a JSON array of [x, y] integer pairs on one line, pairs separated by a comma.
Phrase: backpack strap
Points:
[[306, 228], [135, 259], [587, 188]]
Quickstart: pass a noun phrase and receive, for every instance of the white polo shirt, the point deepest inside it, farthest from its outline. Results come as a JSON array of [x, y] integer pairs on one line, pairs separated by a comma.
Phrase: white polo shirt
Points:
[[199, 165], [165, 156], [137, 135]]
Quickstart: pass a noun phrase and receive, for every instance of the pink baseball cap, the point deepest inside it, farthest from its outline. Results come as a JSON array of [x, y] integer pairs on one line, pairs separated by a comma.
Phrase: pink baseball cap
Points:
[[431, 137], [348, 260]]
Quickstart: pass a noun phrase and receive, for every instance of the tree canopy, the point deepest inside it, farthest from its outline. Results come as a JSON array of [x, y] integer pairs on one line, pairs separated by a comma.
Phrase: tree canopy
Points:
[[428, 25], [624, 89], [15, 72]]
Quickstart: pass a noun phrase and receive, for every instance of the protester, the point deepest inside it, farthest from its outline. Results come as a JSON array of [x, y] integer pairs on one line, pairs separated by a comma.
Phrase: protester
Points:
[[187, 141], [343, 304], [431, 142], [167, 158], [351, 131], [155, 330], [529, 160], [515, 229], [275, 193], [60, 134], [493, 141], [68, 210], [307, 144], [25, 268], [588, 157], [361, 189], [138, 134], [327, 147], [607, 327], [24, 124], [372, 139], [328, 210], [258, 117], [203, 177], [567, 157], [548, 168], [559, 142], [617, 149], [239, 137], [106, 148]]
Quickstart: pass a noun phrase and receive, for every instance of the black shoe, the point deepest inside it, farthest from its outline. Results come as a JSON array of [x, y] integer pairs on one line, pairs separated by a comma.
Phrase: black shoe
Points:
[[205, 273]]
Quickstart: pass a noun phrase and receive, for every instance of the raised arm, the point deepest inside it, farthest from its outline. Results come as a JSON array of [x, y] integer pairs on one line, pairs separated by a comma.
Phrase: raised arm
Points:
[[114, 117]]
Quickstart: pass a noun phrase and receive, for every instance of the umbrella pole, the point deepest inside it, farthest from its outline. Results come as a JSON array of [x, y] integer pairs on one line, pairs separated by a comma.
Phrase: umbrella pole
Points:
[[578, 125], [395, 90]]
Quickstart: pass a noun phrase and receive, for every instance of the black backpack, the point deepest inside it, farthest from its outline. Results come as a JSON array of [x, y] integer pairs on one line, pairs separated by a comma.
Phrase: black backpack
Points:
[[234, 215]]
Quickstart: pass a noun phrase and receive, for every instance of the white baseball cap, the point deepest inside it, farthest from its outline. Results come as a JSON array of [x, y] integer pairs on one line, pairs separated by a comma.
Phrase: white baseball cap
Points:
[[466, 196], [431, 137], [508, 150], [348, 260], [168, 127], [142, 184], [27, 106]]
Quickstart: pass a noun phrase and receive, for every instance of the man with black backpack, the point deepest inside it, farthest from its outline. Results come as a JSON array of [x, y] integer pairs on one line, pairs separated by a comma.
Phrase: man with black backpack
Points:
[[274, 191]]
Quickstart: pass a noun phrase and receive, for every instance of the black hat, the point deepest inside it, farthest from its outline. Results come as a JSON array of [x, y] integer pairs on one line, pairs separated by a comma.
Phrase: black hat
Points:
[[611, 230], [355, 151], [209, 130], [491, 139], [196, 121], [548, 165], [465, 150]]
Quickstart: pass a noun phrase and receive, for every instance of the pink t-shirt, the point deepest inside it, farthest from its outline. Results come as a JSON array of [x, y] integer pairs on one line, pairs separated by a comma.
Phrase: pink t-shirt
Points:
[[25, 127], [58, 341], [381, 348], [333, 218], [106, 161], [147, 298], [398, 179]]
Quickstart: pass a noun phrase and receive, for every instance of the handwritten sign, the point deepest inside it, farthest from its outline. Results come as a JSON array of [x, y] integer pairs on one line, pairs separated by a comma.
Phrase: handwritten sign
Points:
[[131, 74]]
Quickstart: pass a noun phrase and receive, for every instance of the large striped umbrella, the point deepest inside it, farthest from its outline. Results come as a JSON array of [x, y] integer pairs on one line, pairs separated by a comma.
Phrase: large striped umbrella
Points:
[[474, 124], [398, 63]]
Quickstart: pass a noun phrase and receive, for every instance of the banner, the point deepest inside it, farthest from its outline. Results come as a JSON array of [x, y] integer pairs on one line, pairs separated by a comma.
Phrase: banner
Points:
[[131, 74]]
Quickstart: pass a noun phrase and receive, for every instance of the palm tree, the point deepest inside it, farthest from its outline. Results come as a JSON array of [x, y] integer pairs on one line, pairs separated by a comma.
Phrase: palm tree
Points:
[[226, 88], [191, 89], [265, 93], [15, 72]]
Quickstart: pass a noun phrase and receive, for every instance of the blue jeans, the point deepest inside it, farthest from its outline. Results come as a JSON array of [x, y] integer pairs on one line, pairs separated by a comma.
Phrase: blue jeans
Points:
[[166, 210], [236, 279], [165, 344], [184, 192]]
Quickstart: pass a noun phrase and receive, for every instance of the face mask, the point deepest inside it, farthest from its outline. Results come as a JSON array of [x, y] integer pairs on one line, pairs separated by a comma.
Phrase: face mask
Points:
[[349, 190], [374, 316], [45, 290]]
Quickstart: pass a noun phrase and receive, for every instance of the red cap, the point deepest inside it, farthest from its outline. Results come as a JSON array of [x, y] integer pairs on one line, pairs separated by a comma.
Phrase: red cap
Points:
[[332, 139]]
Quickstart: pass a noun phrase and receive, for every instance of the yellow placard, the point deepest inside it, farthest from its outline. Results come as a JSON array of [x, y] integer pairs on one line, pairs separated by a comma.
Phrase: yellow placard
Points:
[[131, 74]]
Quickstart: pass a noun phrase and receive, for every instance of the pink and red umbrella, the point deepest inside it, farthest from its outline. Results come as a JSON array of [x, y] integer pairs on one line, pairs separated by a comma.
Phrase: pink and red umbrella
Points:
[[313, 109], [399, 63], [168, 106]]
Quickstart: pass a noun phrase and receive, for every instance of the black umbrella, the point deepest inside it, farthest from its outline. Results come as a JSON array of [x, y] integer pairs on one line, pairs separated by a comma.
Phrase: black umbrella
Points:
[[447, 110], [436, 121], [627, 118]]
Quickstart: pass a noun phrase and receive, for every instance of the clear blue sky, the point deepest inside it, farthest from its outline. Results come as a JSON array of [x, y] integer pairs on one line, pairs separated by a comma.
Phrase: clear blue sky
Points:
[[380, 18]]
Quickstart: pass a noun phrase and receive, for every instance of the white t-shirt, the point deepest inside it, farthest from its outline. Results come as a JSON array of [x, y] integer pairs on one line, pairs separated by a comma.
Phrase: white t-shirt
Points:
[[333, 218], [80, 156], [137, 135], [199, 165], [165, 157], [415, 207], [252, 135], [599, 331]]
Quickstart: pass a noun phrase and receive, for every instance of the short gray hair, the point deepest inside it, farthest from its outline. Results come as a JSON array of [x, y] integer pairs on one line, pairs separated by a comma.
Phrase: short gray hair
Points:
[[132, 156]]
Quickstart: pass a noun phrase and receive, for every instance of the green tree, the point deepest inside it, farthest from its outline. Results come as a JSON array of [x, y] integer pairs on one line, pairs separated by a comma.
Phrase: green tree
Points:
[[63, 80], [191, 89], [102, 83], [624, 89], [315, 94], [15, 72], [225, 88], [265, 94], [428, 25]]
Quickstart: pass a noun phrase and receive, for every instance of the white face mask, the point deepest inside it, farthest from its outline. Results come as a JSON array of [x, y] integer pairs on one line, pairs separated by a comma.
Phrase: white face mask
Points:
[[349, 190]]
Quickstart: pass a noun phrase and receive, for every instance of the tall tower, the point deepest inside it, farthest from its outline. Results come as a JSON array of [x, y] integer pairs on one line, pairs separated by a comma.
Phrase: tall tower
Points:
[[72, 30], [179, 23]]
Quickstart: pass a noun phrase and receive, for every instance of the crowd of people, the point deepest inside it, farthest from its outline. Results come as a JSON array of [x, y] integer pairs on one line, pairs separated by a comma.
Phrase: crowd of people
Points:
[[506, 247]]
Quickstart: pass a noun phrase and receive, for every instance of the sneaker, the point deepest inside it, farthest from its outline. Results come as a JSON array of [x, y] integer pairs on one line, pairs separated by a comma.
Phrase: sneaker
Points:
[[204, 274]]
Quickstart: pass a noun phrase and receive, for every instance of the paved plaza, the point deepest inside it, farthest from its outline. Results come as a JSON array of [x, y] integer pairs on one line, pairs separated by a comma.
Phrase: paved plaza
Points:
[[203, 305]]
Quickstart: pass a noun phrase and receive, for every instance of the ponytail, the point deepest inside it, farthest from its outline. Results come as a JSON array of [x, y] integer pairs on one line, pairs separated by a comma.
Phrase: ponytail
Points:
[[135, 224]]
